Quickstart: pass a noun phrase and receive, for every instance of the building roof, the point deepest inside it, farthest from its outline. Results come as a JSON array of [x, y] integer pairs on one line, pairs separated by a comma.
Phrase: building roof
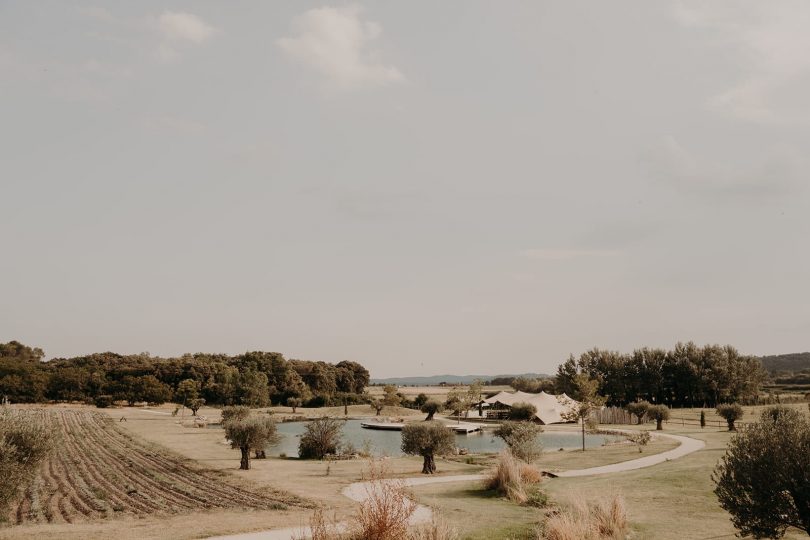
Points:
[[550, 408]]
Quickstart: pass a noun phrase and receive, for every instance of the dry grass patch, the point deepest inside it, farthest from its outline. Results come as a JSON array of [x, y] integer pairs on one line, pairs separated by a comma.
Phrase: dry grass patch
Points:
[[604, 519]]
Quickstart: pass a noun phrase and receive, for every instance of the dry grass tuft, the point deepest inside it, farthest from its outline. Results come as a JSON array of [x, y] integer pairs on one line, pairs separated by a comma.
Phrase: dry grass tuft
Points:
[[605, 519], [438, 529], [507, 479], [530, 474]]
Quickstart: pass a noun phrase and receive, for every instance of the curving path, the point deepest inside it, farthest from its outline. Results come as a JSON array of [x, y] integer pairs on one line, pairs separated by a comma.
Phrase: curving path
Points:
[[358, 491]]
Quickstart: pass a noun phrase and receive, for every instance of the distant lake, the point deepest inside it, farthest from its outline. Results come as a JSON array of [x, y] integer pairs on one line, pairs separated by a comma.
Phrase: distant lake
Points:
[[387, 443]]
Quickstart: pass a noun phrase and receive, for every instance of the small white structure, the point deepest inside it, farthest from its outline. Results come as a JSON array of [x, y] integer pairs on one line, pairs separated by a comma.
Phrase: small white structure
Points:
[[550, 408]]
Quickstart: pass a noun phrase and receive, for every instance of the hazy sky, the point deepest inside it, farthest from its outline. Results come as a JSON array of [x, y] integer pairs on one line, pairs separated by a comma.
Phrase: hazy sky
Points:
[[422, 187]]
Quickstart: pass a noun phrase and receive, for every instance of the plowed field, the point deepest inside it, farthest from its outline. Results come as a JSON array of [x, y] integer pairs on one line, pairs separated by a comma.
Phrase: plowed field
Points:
[[98, 471]]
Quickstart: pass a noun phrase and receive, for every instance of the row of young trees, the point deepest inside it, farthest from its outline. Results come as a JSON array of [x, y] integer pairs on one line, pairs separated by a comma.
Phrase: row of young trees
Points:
[[687, 375], [253, 378]]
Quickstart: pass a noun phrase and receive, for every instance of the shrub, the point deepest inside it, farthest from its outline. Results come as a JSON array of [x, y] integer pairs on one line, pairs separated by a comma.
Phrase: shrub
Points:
[[763, 478], [640, 439], [605, 519], [638, 409], [522, 411], [24, 444], [103, 401], [522, 439], [731, 412], [427, 439], [385, 512], [659, 413], [251, 433], [321, 436]]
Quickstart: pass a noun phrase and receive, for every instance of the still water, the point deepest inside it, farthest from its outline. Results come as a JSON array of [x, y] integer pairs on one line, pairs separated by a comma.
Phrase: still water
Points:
[[387, 443]]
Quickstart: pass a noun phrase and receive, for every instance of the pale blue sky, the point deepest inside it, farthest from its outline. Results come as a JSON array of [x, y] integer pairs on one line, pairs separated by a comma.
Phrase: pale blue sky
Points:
[[421, 187]]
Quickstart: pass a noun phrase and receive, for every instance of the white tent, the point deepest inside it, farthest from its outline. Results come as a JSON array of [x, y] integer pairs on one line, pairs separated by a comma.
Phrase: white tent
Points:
[[550, 408]]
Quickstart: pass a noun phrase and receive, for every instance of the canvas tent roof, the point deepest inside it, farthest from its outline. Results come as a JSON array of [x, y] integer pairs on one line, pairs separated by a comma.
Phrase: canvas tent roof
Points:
[[550, 408]]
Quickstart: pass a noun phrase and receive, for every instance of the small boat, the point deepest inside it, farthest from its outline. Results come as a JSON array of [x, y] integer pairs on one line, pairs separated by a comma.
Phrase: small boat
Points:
[[388, 426]]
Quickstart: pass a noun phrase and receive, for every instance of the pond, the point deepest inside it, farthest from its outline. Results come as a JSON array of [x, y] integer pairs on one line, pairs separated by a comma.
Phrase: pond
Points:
[[387, 443]]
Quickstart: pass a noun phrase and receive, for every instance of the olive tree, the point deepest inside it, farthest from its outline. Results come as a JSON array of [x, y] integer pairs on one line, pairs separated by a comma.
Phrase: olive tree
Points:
[[730, 412], [251, 433], [321, 436], [24, 444], [763, 480], [522, 439], [195, 405], [431, 407], [659, 413], [638, 409], [294, 403], [235, 413], [427, 439]]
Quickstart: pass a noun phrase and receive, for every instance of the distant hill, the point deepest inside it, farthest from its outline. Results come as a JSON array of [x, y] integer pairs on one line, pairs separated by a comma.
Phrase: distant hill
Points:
[[786, 362], [450, 379]]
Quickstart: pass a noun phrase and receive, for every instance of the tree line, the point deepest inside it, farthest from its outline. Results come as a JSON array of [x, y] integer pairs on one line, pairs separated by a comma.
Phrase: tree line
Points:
[[254, 379], [687, 375]]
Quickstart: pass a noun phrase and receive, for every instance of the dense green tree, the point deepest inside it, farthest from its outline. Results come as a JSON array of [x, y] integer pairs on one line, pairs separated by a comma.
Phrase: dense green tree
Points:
[[428, 439], [187, 390], [763, 480]]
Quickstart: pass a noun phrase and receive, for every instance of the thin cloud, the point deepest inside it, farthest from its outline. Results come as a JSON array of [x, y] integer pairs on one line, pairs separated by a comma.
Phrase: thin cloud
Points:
[[772, 45], [181, 30], [566, 254], [338, 43], [181, 26], [775, 174]]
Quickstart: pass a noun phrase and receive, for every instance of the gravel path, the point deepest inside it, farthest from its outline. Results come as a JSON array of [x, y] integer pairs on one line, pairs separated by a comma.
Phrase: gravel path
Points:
[[359, 490]]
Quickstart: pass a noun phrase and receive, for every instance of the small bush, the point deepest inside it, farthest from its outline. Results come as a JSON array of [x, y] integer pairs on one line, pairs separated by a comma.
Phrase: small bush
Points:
[[321, 436], [522, 411], [386, 511], [640, 439], [103, 401], [522, 439], [537, 498]]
